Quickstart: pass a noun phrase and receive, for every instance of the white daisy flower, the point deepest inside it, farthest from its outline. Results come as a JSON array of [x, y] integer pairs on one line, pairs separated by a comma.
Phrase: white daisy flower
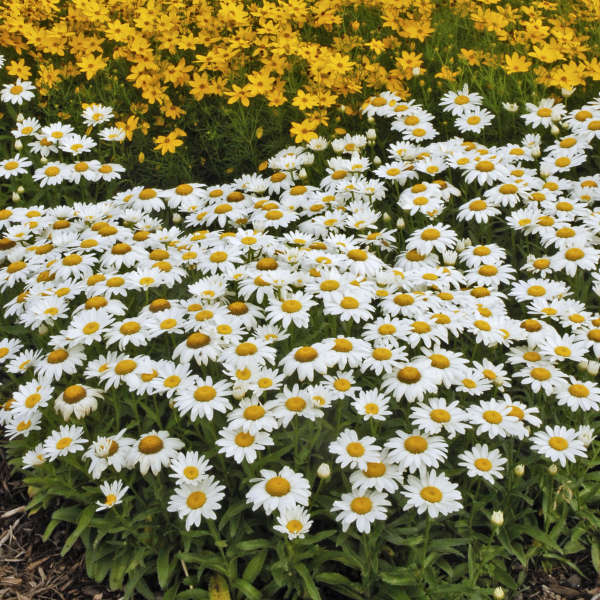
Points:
[[432, 493], [559, 444], [480, 461], [196, 501], [154, 450], [113, 494], [362, 509], [352, 451], [67, 440], [278, 490], [416, 451], [240, 445], [295, 522]]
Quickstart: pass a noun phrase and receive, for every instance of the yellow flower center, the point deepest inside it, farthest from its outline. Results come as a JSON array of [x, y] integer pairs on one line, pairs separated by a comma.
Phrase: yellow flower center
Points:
[[278, 486], [408, 375], [361, 505], [483, 464], [355, 449], [73, 394], [123, 367], [305, 354], [253, 413], [558, 443], [243, 440], [493, 417], [196, 500], [440, 415], [431, 494], [150, 444], [295, 404], [63, 443], [204, 393]]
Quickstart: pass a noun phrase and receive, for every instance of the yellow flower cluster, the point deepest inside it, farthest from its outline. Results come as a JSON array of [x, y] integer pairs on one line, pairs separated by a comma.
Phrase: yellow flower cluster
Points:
[[309, 55]]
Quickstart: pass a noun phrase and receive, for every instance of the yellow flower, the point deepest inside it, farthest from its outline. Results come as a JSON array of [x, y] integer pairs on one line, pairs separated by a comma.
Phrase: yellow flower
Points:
[[90, 64], [515, 63], [304, 131]]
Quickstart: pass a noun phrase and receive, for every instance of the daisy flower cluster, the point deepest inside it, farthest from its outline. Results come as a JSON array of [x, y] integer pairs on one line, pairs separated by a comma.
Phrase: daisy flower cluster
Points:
[[266, 308], [55, 153]]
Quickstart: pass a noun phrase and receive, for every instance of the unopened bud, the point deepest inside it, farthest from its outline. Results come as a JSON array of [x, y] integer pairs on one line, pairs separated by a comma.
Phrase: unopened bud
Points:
[[593, 367], [387, 218], [498, 593], [497, 518], [16, 197], [371, 134], [176, 218], [377, 161], [416, 71], [20, 189], [450, 257], [567, 92], [43, 160], [20, 118], [554, 130], [519, 470], [582, 365], [239, 390], [510, 106], [43, 329], [553, 469], [585, 435], [18, 145], [400, 223], [536, 152], [324, 471], [302, 174]]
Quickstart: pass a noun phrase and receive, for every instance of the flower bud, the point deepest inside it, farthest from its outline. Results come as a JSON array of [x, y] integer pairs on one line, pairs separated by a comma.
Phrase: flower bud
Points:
[[400, 223], [582, 365], [377, 161], [371, 119], [43, 160], [554, 130], [449, 257], [567, 92], [20, 189], [387, 218], [519, 470], [416, 71], [498, 593], [593, 367], [239, 389], [302, 174], [20, 118], [18, 145], [553, 469], [43, 329], [510, 106], [16, 197], [324, 472], [371, 134], [536, 152], [497, 518], [585, 434], [176, 218]]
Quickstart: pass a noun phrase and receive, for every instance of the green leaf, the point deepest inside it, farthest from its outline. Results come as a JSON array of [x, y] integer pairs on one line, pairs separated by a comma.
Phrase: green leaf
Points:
[[84, 520], [247, 589], [251, 545], [311, 588], [254, 566], [162, 566], [596, 555], [192, 595], [398, 577]]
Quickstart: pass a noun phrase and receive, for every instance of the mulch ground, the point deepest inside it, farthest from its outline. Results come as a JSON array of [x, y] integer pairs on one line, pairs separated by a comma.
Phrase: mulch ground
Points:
[[31, 569]]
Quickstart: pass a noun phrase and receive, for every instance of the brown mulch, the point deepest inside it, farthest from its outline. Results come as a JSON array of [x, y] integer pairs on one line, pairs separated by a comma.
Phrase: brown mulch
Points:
[[31, 569]]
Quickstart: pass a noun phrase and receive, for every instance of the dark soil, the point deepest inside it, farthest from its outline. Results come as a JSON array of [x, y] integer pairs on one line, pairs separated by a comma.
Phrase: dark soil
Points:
[[31, 569]]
